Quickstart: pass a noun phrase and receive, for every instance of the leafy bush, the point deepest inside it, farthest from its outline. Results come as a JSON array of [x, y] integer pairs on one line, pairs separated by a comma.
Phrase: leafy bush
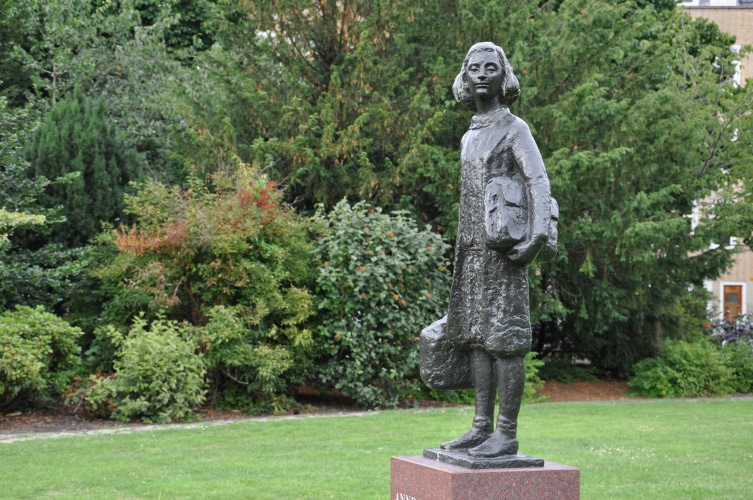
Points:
[[682, 370], [247, 372], [158, 375], [38, 352], [381, 280], [738, 357], [233, 262]]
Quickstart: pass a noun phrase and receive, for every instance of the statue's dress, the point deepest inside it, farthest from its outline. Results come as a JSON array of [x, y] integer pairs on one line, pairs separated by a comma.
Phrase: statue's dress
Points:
[[489, 298]]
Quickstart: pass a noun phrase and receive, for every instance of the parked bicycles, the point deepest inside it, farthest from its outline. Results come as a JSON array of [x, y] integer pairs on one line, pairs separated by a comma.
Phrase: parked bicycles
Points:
[[729, 331]]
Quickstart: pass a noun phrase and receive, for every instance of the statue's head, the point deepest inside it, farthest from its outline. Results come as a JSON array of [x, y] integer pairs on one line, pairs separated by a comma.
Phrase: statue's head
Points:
[[510, 88]]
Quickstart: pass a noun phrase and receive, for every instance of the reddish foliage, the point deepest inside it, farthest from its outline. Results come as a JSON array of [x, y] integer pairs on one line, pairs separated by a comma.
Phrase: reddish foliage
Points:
[[261, 197], [169, 238]]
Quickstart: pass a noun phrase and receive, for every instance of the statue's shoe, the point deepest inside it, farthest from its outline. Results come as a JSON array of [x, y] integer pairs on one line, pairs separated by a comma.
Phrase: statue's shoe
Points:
[[498, 445], [473, 437]]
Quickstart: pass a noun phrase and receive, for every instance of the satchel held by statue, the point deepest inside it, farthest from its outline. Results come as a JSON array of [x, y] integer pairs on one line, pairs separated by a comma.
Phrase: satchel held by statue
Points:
[[506, 217], [443, 366]]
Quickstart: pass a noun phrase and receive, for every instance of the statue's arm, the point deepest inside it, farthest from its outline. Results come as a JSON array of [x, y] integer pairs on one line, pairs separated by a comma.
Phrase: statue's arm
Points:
[[528, 158]]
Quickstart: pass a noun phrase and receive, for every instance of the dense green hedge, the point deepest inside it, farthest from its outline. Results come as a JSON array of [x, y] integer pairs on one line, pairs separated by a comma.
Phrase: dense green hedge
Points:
[[695, 369]]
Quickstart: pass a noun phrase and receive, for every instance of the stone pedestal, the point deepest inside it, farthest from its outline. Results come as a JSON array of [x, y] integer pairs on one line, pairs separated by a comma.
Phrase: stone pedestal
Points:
[[420, 478], [463, 459]]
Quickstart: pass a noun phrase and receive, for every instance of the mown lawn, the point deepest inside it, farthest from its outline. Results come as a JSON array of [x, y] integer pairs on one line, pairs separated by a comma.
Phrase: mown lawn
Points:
[[627, 449]]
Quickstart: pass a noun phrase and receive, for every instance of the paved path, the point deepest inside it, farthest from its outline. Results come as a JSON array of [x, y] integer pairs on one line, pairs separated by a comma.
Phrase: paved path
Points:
[[13, 438]]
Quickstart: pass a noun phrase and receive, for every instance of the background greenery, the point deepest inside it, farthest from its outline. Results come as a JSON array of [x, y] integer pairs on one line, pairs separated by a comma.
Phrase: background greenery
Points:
[[695, 369], [240, 118]]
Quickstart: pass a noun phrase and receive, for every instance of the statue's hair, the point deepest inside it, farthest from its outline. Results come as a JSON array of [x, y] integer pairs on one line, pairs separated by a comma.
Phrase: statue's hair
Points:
[[510, 88]]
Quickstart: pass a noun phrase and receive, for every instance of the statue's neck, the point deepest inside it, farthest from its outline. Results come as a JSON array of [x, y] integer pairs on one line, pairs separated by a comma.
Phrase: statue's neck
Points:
[[488, 108], [487, 117]]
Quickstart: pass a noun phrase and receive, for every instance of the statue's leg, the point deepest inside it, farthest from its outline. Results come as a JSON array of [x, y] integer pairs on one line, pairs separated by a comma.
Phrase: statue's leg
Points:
[[485, 385], [511, 373]]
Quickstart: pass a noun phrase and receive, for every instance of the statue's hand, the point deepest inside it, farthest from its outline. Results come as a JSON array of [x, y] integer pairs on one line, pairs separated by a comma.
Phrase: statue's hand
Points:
[[527, 250]]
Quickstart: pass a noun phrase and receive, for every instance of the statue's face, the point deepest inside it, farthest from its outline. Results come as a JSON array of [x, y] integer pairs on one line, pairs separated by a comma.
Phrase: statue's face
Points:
[[484, 75]]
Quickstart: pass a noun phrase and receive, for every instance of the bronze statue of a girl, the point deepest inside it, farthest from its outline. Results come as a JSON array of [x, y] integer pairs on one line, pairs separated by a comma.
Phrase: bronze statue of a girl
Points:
[[504, 222]]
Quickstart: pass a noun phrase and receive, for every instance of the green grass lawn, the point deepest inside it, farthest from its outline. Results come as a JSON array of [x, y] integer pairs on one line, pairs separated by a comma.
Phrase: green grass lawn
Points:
[[646, 449]]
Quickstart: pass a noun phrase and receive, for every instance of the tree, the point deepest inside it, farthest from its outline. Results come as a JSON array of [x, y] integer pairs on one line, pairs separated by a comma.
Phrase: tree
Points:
[[14, 77], [45, 276], [16, 192], [629, 103], [77, 137], [346, 99], [188, 30], [12, 220], [117, 51], [634, 129]]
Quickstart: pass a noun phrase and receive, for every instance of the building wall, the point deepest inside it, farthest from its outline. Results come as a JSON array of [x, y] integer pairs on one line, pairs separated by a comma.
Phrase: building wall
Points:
[[712, 3], [736, 18], [741, 273]]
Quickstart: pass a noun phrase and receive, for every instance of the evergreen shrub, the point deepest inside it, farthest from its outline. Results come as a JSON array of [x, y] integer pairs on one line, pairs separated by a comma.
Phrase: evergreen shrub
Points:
[[76, 137], [38, 353], [380, 281]]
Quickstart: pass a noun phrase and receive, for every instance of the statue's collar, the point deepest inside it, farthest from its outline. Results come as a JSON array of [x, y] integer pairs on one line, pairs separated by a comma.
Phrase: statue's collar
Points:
[[489, 119]]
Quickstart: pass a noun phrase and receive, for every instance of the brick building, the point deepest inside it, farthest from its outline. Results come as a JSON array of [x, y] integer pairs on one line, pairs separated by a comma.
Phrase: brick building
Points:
[[732, 291], [732, 16]]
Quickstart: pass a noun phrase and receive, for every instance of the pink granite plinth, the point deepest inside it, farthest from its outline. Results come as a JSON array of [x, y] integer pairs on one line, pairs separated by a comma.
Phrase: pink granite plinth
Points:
[[419, 478]]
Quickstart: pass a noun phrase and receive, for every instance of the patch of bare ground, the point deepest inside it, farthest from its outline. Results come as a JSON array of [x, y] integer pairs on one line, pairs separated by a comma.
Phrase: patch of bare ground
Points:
[[63, 420], [603, 390]]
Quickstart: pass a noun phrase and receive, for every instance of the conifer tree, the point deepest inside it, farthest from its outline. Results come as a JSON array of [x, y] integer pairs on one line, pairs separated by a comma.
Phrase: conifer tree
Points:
[[76, 137], [629, 101]]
